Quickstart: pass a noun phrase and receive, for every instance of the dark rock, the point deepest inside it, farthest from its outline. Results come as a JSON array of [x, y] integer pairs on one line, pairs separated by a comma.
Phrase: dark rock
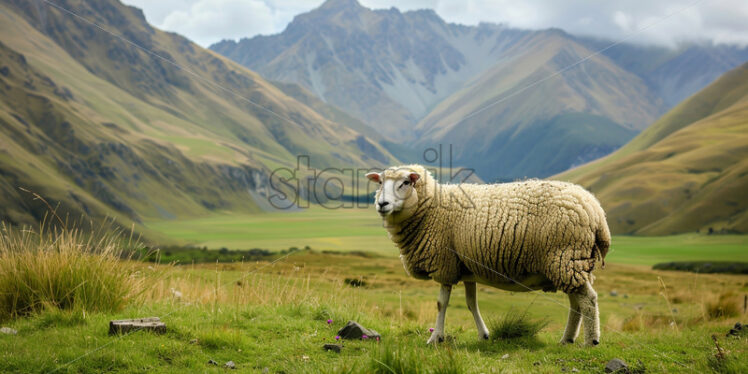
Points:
[[614, 293], [616, 365], [736, 330], [333, 347], [353, 330], [212, 362], [8, 330], [230, 365]]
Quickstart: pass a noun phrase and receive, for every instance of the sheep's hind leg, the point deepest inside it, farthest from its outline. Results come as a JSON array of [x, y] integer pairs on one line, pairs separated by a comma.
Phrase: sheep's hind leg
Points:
[[472, 304], [588, 306], [438, 335], [574, 321]]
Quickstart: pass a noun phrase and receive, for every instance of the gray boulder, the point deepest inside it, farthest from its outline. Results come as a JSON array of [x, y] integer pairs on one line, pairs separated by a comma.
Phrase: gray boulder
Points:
[[616, 365], [354, 330]]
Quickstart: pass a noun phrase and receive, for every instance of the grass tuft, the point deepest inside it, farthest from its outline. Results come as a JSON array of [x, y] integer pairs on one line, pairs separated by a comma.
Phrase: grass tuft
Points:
[[513, 325], [389, 360], [61, 268], [726, 305]]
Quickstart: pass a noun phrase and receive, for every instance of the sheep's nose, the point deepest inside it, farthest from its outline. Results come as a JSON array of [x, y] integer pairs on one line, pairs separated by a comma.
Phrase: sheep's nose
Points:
[[383, 204]]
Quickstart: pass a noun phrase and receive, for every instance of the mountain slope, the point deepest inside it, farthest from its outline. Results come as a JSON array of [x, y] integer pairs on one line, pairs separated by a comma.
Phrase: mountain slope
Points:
[[686, 172], [106, 128], [506, 131]]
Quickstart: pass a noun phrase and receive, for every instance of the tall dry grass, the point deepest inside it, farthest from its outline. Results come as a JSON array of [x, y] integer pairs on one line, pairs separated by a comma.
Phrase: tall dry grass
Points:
[[65, 268]]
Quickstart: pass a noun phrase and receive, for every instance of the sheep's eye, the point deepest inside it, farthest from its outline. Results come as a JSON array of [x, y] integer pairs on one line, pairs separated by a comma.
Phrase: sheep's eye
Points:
[[380, 182], [406, 183]]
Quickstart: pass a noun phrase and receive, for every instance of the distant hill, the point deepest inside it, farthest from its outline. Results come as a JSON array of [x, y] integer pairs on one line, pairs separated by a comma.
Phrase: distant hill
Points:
[[105, 128], [414, 77], [686, 172]]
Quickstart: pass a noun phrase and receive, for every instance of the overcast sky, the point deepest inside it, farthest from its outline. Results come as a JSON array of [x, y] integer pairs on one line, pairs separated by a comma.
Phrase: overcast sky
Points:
[[719, 21]]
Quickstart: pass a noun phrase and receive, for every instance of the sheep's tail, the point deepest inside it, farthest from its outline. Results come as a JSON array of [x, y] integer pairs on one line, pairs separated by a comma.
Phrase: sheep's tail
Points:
[[602, 243]]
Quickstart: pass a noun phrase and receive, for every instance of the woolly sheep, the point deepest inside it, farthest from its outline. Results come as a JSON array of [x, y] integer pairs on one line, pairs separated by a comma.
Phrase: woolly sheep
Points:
[[521, 236]]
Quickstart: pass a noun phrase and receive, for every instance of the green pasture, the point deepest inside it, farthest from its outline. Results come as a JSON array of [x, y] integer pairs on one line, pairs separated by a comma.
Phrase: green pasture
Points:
[[348, 230]]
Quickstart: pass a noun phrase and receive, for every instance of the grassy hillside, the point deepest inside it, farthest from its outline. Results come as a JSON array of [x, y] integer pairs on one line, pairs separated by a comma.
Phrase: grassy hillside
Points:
[[686, 172], [506, 131], [106, 128]]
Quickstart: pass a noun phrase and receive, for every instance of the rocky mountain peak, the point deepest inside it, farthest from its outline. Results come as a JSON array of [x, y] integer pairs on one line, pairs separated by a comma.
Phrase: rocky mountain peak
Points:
[[340, 5]]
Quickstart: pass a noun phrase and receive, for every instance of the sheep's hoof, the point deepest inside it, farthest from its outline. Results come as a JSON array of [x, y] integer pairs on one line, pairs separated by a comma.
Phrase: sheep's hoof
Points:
[[567, 341], [435, 338], [592, 343], [483, 336]]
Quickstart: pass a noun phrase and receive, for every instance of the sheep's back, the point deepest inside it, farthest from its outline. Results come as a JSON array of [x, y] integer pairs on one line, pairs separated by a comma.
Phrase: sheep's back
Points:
[[512, 229]]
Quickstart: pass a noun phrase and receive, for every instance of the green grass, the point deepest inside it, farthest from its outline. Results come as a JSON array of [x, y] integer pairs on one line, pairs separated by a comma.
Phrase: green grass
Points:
[[63, 269], [287, 336], [361, 230]]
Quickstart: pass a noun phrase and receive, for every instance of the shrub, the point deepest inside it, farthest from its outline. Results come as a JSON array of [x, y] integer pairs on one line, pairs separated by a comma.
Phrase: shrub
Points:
[[514, 325], [64, 269]]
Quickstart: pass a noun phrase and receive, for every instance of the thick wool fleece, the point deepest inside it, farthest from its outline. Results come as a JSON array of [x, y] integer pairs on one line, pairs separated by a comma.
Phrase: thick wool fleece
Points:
[[498, 232]]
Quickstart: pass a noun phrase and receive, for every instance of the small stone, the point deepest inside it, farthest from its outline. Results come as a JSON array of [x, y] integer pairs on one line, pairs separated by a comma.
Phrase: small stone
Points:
[[212, 362], [8, 330], [194, 341], [536, 363], [625, 296], [574, 370], [614, 293], [265, 370], [505, 356], [333, 347], [305, 358], [738, 326], [354, 330], [230, 365], [616, 365]]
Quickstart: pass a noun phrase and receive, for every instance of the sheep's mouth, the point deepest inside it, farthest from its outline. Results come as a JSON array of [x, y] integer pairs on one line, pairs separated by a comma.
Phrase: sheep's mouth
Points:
[[384, 212]]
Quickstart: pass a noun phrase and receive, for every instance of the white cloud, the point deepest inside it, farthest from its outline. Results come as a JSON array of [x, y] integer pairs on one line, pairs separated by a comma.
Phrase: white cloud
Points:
[[663, 22]]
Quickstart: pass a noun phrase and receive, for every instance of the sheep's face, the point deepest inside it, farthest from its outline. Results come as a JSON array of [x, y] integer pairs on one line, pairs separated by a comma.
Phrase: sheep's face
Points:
[[396, 195]]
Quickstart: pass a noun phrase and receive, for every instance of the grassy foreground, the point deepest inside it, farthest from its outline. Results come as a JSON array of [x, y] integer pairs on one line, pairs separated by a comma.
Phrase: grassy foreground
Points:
[[262, 315]]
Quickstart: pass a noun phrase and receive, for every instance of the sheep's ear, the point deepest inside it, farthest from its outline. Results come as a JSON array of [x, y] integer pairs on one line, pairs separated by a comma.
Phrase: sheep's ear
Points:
[[414, 177], [374, 177]]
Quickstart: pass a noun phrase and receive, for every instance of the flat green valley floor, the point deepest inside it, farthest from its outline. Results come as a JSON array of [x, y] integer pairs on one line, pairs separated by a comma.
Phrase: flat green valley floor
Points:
[[348, 230]]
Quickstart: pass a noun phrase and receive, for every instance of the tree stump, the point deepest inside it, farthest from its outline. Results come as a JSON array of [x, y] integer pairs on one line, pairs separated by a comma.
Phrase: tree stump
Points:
[[125, 326]]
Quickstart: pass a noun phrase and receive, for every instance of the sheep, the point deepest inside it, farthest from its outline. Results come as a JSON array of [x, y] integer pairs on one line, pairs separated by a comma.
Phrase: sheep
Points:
[[520, 236]]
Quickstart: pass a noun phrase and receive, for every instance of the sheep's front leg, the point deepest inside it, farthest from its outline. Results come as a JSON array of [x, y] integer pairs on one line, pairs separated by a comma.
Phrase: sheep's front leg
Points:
[[472, 304], [574, 321], [438, 335]]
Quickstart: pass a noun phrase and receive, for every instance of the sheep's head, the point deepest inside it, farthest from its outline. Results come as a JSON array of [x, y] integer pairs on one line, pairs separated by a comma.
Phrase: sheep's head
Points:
[[397, 195]]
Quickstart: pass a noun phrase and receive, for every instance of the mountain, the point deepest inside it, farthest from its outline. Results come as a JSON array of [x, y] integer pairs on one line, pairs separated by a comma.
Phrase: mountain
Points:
[[686, 172], [419, 81], [385, 67], [505, 130], [120, 119]]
